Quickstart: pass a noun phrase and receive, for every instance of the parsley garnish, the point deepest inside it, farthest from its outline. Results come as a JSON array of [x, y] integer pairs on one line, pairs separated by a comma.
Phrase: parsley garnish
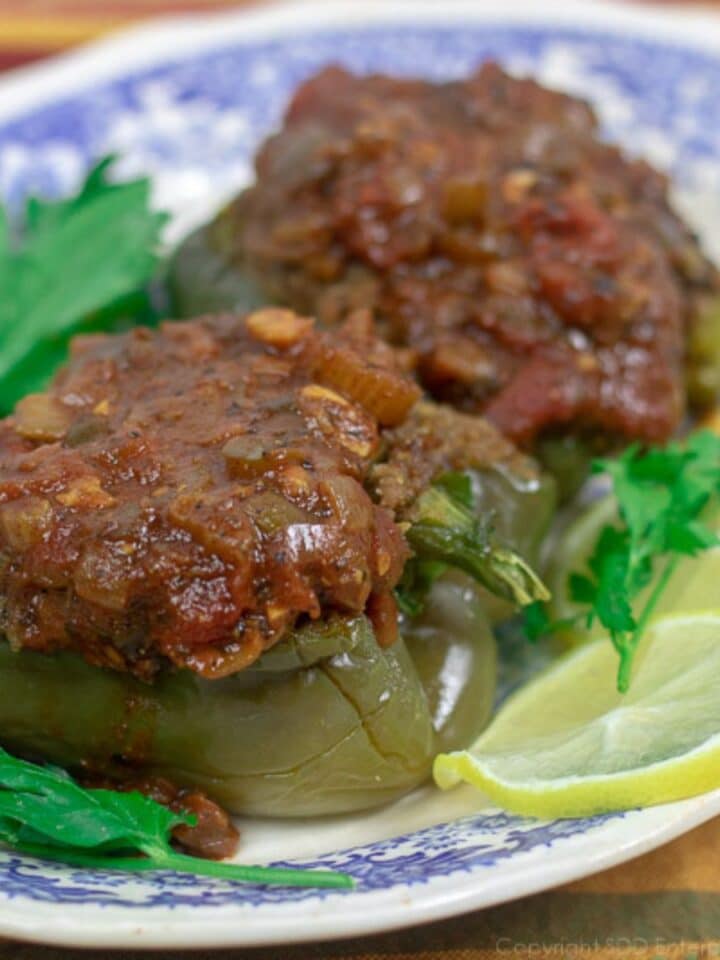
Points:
[[45, 813], [661, 495], [446, 532], [64, 263]]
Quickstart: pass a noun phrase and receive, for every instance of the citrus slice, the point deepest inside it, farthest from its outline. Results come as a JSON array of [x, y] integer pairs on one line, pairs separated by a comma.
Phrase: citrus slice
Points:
[[568, 744], [691, 589]]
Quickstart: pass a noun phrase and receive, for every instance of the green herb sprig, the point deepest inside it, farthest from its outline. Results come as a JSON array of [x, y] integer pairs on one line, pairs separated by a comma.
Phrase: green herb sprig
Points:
[[45, 813], [661, 495], [446, 532], [64, 267]]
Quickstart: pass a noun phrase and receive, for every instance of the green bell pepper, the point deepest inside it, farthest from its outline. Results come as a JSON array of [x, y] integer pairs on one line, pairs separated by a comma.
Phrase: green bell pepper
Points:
[[325, 722], [202, 280]]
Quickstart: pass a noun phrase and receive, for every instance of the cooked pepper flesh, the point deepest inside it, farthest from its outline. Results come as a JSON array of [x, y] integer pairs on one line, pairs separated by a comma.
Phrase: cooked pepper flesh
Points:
[[327, 721]]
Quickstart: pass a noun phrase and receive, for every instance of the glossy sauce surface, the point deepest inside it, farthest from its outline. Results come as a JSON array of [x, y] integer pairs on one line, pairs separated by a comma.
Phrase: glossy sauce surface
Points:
[[535, 272], [183, 496]]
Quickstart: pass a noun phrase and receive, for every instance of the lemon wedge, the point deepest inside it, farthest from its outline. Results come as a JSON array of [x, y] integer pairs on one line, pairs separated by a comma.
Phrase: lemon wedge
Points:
[[569, 745]]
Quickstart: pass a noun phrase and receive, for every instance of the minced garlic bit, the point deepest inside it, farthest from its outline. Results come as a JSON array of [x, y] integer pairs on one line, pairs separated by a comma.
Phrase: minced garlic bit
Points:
[[278, 327], [86, 492]]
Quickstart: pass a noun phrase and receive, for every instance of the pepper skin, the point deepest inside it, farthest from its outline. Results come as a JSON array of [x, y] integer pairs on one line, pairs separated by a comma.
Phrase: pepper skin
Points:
[[202, 280], [325, 722]]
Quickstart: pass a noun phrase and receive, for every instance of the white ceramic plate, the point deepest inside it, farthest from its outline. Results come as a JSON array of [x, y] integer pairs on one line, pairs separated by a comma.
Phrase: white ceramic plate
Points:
[[188, 101]]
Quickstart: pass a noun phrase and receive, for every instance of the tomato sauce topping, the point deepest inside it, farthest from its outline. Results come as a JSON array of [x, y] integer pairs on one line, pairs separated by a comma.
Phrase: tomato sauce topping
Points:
[[183, 495], [534, 272]]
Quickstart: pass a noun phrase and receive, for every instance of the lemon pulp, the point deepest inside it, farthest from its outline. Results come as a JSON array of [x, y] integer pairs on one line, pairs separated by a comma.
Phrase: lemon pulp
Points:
[[568, 744]]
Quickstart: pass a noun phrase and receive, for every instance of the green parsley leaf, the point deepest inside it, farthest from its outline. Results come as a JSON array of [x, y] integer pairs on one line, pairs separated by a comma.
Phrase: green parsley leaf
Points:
[[44, 812], [609, 564], [415, 584], [582, 589], [536, 621], [66, 264], [661, 495]]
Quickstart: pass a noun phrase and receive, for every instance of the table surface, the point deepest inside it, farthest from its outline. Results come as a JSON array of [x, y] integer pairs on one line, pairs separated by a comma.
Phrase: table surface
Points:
[[663, 905], [33, 29]]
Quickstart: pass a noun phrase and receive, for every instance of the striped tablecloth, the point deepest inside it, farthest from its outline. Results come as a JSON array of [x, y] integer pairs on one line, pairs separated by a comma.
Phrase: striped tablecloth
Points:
[[33, 29], [663, 906]]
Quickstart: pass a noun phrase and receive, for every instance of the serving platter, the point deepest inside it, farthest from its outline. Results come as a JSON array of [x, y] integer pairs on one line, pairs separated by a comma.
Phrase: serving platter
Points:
[[187, 101]]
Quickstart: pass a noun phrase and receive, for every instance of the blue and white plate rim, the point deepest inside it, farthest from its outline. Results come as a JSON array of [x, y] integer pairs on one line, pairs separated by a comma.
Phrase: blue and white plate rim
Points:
[[190, 35], [82, 909]]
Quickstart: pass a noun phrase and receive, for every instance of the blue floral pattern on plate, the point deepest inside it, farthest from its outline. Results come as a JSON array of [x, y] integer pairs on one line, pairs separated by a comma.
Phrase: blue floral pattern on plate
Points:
[[418, 858], [194, 125]]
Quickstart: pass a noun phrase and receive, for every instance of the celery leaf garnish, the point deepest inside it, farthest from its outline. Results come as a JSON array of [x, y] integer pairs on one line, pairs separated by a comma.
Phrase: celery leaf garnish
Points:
[[63, 266]]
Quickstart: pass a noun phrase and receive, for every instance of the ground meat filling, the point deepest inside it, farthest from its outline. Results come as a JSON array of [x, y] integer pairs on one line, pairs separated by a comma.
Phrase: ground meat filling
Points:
[[183, 496], [537, 274], [435, 440]]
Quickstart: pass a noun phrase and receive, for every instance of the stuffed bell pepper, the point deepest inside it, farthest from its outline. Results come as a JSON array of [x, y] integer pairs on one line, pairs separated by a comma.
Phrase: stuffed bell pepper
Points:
[[534, 273], [244, 555]]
